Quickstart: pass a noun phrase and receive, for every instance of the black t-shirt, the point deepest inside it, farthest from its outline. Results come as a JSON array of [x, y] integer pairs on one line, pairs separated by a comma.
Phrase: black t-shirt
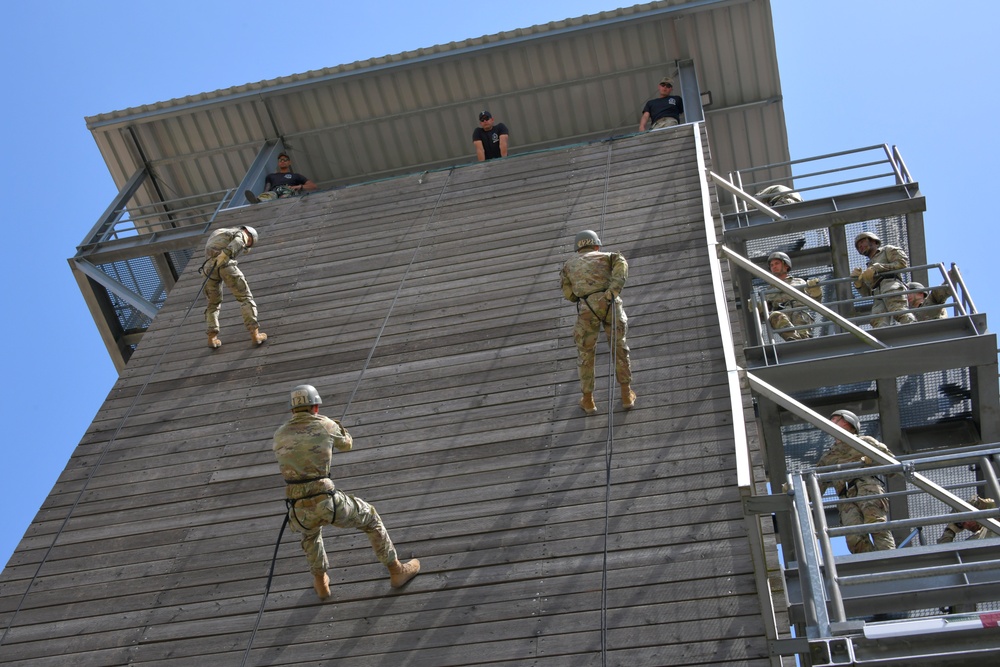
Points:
[[491, 139], [274, 180], [661, 107]]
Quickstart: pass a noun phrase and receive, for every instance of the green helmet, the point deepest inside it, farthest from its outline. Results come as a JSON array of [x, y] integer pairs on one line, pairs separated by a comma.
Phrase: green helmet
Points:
[[252, 232], [914, 285], [867, 235], [850, 418], [782, 256], [586, 239], [304, 396]]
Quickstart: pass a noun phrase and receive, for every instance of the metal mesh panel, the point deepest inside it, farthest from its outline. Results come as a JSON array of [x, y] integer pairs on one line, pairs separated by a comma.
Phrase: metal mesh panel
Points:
[[179, 259], [933, 398], [140, 276]]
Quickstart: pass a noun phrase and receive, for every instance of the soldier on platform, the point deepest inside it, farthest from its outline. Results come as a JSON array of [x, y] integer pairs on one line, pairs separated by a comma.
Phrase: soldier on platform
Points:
[[873, 281], [594, 281], [223, 247], [304, 448], [978, 531], [927, 297], [780, 264], [866, 510], [777, 195]]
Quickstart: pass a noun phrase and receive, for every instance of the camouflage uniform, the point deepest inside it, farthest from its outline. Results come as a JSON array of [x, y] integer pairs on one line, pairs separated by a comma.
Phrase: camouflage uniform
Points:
[[776, 195], [778, 301], [304, 448], [585, 279], [953, 529], [935, 297], [871, 510], [885, 288], [233, 242]]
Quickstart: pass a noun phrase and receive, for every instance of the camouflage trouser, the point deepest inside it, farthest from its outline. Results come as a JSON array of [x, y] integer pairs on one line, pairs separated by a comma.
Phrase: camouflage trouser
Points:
[[585, 336], [780, 320], [666, 121], [233, 277], [342, 510], [891, 303], [865, 511]]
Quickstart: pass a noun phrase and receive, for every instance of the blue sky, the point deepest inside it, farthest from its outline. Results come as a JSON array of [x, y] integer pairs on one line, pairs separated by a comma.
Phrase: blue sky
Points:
[[853, 74]]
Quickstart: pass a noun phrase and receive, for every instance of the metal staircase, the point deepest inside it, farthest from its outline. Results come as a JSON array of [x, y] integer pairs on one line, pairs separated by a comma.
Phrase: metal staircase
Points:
[[928, 390]]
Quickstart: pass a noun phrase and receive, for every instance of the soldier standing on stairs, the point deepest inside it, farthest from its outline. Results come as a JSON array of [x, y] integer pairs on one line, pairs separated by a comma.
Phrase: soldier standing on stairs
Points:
[[304, 448], [871, 507], [594, 280], [221, 250]]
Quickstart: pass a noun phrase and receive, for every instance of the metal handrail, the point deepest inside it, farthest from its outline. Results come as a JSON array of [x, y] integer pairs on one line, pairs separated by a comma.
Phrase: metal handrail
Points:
[[810, 530], [890, 157], [959, 303], [132, 220]]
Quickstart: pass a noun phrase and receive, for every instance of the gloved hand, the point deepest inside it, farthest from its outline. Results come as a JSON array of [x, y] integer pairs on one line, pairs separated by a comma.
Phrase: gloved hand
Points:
[[220, 260], [813, 289], [609, 295], [856, 274], [868, 275]]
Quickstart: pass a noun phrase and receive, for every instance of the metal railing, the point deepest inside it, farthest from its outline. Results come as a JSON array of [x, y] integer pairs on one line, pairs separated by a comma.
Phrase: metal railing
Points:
[[131, 219], [959, 302], [826, 175], [824, 588]]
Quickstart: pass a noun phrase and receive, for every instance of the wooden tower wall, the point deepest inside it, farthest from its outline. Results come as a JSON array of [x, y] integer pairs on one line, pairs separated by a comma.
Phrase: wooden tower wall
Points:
[[429, 308]]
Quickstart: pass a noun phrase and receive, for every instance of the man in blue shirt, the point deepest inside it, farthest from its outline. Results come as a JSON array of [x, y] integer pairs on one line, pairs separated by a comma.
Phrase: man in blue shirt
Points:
[[664, 110]]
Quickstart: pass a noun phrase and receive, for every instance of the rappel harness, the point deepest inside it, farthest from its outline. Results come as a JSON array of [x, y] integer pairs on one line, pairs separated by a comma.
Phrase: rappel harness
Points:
[[290, 502], [612, 257], [604, 320]]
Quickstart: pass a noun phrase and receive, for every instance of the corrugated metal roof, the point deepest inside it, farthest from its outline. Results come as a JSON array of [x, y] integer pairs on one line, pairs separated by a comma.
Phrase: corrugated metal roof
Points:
[[563, 82]]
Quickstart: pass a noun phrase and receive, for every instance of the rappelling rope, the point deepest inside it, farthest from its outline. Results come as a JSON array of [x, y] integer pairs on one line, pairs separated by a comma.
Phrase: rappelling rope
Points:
[[609, 443], [399, 289], [371, 353]]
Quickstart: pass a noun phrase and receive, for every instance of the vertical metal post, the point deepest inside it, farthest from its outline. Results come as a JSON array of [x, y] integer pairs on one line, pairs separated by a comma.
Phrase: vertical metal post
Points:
[[892, 163], [990, 477], [819, 516], [813, 595]]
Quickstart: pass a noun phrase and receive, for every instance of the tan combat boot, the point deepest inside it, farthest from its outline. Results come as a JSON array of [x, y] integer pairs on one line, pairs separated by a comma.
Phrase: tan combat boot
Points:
[[257, 336], [400, 573], [628, 397], [213, 340], [587, 404], [321, 582]]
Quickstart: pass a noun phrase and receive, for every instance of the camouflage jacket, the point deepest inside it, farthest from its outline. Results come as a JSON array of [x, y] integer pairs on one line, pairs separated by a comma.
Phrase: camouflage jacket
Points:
[[778, 300], [593, 271], [304, 448], [841, 453], [953, 529], [938, 296], [228, 239], [888, 258]]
